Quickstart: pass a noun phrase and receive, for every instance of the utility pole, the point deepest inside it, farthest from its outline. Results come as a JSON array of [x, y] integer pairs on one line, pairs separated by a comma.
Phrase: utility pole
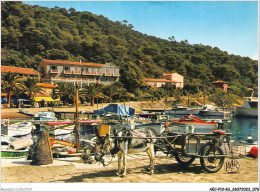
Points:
[[77, 118]]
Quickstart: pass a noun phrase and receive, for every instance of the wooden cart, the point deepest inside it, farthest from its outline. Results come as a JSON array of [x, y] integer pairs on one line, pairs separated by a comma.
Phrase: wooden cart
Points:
[[209, 147]]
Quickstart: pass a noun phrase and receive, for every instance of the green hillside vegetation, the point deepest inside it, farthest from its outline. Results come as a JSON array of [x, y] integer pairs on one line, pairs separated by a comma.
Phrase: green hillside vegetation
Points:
[[32, 33]]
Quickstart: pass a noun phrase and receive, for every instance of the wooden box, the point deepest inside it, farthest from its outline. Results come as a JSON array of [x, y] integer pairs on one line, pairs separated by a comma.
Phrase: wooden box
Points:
[[103, 130]]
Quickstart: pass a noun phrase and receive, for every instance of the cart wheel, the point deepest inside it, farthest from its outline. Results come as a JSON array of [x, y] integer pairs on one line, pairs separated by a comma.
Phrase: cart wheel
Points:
[[212, 164], [184, 160]]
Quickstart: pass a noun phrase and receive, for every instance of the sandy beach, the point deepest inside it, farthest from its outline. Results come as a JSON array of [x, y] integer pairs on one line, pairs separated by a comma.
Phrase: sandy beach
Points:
[[167, 170]]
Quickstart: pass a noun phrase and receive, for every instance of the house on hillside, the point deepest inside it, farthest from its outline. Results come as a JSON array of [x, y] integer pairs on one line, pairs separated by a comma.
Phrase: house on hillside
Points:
[[172, 78], [221, 84], [53, 71]]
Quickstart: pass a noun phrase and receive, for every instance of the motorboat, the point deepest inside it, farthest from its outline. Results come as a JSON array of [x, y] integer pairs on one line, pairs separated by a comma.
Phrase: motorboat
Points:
[[248, 109], [195, 122], [45, 116], [42, 117], [210, 110]]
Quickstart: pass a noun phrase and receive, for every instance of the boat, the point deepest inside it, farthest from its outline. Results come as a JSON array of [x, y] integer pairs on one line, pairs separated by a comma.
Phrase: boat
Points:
[[41, 117], [18, 129], [180, 110], [195, 122], [28, 113], [158, 128], [14, 153], [248, 109], [249, 141], [45, 116], [210, 110], [12, 147]]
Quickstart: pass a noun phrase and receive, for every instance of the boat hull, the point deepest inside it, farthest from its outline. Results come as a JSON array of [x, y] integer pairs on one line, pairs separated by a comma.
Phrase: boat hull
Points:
[[14, 153], [183, 112], [247, 112], [197, 125]]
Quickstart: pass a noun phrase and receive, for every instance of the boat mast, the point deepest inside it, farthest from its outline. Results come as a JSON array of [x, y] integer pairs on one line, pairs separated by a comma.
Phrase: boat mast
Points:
[[77, 118]]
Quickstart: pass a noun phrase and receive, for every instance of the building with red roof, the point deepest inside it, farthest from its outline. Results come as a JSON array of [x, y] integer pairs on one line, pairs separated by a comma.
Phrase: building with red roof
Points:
[[221, 84], [172, 78], [53, 71], [22, 72]]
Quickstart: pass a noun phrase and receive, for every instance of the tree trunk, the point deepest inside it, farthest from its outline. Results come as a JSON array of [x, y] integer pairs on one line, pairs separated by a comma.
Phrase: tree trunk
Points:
[[64, 102], [8, 97], [92, 101]]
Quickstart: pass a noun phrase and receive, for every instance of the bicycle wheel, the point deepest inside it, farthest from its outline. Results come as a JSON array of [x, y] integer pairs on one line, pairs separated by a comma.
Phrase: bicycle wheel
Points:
[[210, 163], [184, 160]]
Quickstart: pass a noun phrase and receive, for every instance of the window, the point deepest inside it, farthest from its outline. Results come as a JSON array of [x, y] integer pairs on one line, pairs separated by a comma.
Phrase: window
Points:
[[66, 68], [53, 67]]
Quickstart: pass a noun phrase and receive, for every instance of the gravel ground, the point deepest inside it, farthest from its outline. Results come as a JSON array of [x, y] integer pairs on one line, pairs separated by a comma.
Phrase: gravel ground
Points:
[[167, 170]]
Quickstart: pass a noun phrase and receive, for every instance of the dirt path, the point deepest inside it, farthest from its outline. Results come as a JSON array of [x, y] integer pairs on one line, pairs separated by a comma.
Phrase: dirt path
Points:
[[167, 170]]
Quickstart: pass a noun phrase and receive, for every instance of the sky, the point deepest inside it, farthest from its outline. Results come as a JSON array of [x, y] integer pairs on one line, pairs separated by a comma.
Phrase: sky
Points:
[[231, 26]]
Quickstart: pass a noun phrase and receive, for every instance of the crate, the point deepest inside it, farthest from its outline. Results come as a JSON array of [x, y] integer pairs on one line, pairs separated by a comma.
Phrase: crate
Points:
[[193, 146], [104, 130]]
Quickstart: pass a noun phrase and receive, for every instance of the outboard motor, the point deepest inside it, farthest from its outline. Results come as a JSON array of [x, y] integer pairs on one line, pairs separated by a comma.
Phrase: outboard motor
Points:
[[249, 140]]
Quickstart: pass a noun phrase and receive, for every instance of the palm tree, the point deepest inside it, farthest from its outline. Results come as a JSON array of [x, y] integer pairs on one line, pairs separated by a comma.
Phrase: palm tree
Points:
[[92, 91], [65, 91], [110, 91], [30, 87], [9, 84]]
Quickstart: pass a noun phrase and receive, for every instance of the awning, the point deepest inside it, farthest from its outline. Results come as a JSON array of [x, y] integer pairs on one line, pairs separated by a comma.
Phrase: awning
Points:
[[38, 99]]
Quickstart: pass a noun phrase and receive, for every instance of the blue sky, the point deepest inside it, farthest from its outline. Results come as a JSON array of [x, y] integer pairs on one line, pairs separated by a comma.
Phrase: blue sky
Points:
[[231, 26]]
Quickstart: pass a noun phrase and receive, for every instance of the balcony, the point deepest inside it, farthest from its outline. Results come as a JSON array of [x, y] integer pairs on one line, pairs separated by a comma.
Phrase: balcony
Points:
[[54, 71], [108, 74], [116, 74], [85, 73], [76, 72], [66, 72], [91, 73]]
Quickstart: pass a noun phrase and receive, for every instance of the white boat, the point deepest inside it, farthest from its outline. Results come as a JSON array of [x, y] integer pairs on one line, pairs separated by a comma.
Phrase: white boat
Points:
[[180, 110], [12, 147], [42, 117], [45, 116], [210, 110], [18, 129], [249, 108]]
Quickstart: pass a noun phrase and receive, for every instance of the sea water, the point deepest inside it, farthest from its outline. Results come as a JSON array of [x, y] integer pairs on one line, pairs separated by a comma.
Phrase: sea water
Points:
[[240, 127]]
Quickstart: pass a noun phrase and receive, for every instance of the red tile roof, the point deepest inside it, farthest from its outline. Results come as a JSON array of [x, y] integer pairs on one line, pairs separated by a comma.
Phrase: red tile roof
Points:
[[59, 62], [219, 82], [158, 80], [19, 70], [46, 85]]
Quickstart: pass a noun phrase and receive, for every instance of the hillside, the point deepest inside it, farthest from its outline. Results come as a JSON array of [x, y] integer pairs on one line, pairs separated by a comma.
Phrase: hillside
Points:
[[32, 33]]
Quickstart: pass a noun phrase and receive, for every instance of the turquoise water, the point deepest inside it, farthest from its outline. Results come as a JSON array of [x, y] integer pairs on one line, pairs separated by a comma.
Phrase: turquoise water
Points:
[[240, 127]]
